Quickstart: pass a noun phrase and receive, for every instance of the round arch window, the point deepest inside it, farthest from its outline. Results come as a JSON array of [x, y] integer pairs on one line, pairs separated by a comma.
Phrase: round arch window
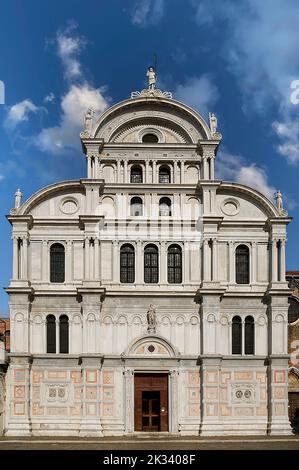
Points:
[[150, 138]]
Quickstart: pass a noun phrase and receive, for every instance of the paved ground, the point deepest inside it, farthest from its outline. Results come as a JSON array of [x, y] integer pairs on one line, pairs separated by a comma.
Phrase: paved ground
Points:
[[152, 442]]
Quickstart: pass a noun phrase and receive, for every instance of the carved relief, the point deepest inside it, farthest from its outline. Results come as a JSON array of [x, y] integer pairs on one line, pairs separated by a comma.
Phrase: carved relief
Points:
[[242, 393]]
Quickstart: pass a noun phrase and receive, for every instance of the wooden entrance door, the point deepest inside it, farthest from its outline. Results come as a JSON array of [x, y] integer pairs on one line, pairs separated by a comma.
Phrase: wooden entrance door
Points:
[[151, 402]]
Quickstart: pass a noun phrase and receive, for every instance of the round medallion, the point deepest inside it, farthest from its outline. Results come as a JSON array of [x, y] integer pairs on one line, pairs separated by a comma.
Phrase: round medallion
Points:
[[151, 348], [69, 206], [247, 394], [230, 207], [239, 394]]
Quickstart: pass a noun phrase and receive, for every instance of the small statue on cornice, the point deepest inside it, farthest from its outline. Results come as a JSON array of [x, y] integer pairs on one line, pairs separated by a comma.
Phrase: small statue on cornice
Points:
[[151, 319], [18, 198], [213, 123], [152, 79], [88, 123], [279, 204]]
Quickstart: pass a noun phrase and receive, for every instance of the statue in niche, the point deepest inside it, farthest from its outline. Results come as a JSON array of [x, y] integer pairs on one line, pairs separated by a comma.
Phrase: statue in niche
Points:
[[151, 319], [152, 79], [213, 123]]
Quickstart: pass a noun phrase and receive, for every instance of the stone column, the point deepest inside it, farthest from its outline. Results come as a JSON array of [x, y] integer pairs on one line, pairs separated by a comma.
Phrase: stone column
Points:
[[253, 262], [139, 263], [163, 263], [15, 264], [86, 258], [88, 157], [96, 167], [175, 172], [24, 258], [45, 261], [115, 262], [147, 173], [212, 168], [154, 171], [187, 259], [205, 168], [231, 258], [126, 171], [57, 335], [215, 259], [129, 400], [171, 174], [118, 178], [173, 401], [282, 264], [274, 266], [206, 260], [100, 169], [182, 171], [97, 259], [69, 261]]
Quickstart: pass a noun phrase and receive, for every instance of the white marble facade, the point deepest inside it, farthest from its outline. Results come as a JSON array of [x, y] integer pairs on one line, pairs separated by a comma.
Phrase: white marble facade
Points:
[[89, 389]]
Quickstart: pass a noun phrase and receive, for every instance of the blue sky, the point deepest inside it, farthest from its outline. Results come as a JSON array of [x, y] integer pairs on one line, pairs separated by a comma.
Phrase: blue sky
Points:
[[237, 59]]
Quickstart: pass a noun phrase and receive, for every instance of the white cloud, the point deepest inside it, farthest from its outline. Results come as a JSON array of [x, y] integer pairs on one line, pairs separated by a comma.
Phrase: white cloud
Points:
[[49, 98], [74, 105], [19, 112], [288, 131], [69, 47], [200, 93], [231, 167], [147, 12], [260, 47], [80, 96]]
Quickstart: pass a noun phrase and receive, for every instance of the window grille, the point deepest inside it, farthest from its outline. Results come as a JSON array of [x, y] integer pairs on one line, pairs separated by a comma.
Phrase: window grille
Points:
[[151, 264], [237, 335], [165, 206], [164, 174], [127, 264], [249, 335], [51, 334], [242, 264], [63, 334], [174, 263], [136, 174], [57, 263], [136, 207]]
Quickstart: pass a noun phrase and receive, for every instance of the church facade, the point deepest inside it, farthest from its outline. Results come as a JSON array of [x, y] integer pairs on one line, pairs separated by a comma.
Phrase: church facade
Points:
[[148, 296]]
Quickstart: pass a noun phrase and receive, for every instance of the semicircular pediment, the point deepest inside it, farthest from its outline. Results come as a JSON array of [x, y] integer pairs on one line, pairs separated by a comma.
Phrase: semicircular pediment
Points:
[[152, 346], [180, 119], [168, 131]]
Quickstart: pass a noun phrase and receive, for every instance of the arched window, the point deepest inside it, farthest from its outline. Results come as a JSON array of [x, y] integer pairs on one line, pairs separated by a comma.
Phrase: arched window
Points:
[[51, 334], [136, 174], [63, 334], [174, 264], [127, 264], [164, 174], [136, 206], [151, 264], [150, 139], [249, 335], [165, 206], [242, 264], [57, 263], [237, 335]]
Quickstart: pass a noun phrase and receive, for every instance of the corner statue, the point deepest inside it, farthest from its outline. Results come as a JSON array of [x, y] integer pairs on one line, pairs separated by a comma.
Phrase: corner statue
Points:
[[213, 123], [88, 120], [151, 319], [152, 79]]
